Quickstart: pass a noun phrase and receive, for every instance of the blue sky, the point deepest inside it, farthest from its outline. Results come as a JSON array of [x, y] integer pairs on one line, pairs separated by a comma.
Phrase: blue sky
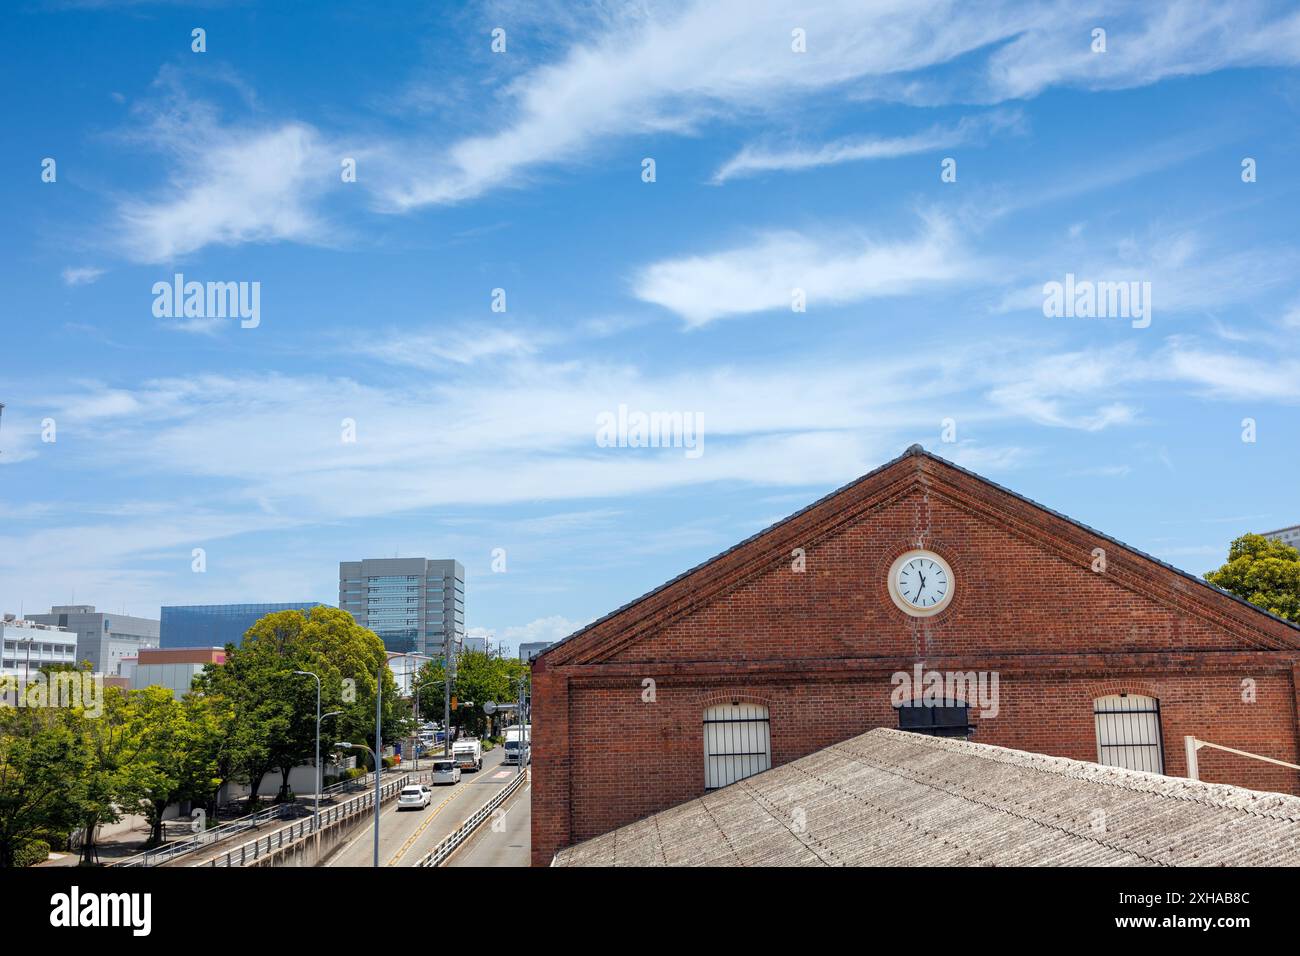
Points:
[[522, 170]]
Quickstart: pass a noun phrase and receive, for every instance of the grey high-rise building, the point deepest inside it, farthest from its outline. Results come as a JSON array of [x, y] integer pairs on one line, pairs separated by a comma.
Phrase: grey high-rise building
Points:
[[103, 638], [413, 604]]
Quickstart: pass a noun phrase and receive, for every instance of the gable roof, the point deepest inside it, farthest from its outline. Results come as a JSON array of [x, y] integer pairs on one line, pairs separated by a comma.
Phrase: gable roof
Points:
[[1288, 634], [889, 797]]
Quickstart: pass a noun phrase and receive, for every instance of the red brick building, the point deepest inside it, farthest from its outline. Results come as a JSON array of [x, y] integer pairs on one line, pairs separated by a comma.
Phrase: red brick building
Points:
[[796, 639]]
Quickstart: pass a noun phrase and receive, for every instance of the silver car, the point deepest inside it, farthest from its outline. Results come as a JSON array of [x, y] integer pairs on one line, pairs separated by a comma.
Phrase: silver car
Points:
[[415, 797]]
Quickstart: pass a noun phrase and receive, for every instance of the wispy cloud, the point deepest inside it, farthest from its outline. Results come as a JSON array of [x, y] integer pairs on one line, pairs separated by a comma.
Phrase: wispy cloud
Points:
[[437, 348], [81, 275], [677, 69], [830, 269], [758, 159], [1146, 43], [230, 183]]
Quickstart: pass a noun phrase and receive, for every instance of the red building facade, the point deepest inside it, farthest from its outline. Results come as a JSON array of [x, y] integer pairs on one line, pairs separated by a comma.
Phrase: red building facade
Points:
[[796, 639]]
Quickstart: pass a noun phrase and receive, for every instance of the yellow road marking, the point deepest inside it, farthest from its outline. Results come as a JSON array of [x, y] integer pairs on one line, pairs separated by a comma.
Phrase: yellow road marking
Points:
[[416, 835]]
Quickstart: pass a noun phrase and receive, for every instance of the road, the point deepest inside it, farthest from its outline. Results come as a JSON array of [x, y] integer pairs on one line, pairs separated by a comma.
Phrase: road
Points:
[[405, 836], [505, 841], [205, 854]]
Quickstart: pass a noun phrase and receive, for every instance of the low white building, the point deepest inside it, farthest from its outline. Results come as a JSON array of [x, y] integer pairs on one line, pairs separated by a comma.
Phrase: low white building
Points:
[[172, 667], [28, 646]]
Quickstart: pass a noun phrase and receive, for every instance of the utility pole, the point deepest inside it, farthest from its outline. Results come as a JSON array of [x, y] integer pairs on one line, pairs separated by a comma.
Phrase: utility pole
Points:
[[446, 697], [525, 739]]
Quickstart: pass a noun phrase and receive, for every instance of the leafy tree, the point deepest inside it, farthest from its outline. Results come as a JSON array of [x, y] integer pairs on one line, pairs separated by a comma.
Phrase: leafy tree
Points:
[[478, 678], [249, 683], [113, 777], [40, 762], [212, 719], [273, 723], [1265, 572], [174, 764]]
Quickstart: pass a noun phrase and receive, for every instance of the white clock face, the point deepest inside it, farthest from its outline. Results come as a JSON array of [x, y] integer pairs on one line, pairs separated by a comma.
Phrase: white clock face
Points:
[[921, 583]]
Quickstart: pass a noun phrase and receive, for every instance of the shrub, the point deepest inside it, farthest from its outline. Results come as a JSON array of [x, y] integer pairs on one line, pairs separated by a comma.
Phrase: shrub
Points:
[[31, 853]]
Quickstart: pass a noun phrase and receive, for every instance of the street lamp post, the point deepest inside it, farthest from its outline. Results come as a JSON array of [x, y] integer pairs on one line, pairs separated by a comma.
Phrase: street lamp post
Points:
[[375, 755], [316, 813], [414, 693], [415, 717], [446, 697]]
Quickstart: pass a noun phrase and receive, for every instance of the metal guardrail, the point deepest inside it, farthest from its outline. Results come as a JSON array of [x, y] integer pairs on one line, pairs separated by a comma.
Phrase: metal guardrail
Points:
[[447, 846], [224, 831], [254, 850]]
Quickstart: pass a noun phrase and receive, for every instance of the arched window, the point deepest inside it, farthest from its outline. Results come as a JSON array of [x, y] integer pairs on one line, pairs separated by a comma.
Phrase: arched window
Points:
[[1128, 732], [737, 743]]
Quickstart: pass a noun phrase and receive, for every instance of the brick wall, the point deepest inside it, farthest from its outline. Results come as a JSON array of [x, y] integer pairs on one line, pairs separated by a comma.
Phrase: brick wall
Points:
[[818, 649]]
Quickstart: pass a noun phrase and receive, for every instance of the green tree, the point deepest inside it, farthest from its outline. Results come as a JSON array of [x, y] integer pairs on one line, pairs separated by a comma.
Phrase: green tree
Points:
[[1265, 572], [478, 678], [113, 779], [273, 722], [41, 761], [212, 719], [248, 683], [174, 762]]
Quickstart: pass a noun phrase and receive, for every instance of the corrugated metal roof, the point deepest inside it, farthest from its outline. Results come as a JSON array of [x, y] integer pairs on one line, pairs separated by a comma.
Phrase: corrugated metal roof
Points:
[[891, 798]]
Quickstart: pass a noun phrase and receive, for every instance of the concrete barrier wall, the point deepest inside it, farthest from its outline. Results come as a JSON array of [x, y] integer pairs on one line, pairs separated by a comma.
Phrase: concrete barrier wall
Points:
[[306, 852]]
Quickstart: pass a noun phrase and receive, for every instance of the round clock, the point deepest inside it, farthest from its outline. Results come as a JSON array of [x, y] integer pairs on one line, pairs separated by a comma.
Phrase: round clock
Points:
[[921, 582]]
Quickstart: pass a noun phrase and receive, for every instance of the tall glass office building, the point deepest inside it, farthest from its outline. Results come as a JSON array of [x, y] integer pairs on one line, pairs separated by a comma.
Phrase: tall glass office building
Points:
[[413, 604], [216, 625]]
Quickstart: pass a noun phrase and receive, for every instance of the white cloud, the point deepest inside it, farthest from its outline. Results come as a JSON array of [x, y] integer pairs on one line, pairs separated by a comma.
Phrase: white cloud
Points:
[[1145, 44], [757, 159], [436, 348], [229, 183], [671, 69], [831, 270], [1188, 270], [81, 275], [552, 628], [257, 452], [234, 187], [675, 67], [1223, 375]]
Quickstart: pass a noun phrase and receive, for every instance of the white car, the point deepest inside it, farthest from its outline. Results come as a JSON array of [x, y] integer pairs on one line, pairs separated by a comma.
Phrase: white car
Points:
[[446, 771], [415, 797]]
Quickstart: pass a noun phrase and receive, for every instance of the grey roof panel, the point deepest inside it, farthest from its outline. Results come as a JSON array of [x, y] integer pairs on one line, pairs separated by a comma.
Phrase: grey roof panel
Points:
[[892, 798]]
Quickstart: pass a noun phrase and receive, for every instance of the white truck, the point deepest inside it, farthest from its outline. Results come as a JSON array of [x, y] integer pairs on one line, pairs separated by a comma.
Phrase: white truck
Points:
[[519, 744], [468, 754]]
